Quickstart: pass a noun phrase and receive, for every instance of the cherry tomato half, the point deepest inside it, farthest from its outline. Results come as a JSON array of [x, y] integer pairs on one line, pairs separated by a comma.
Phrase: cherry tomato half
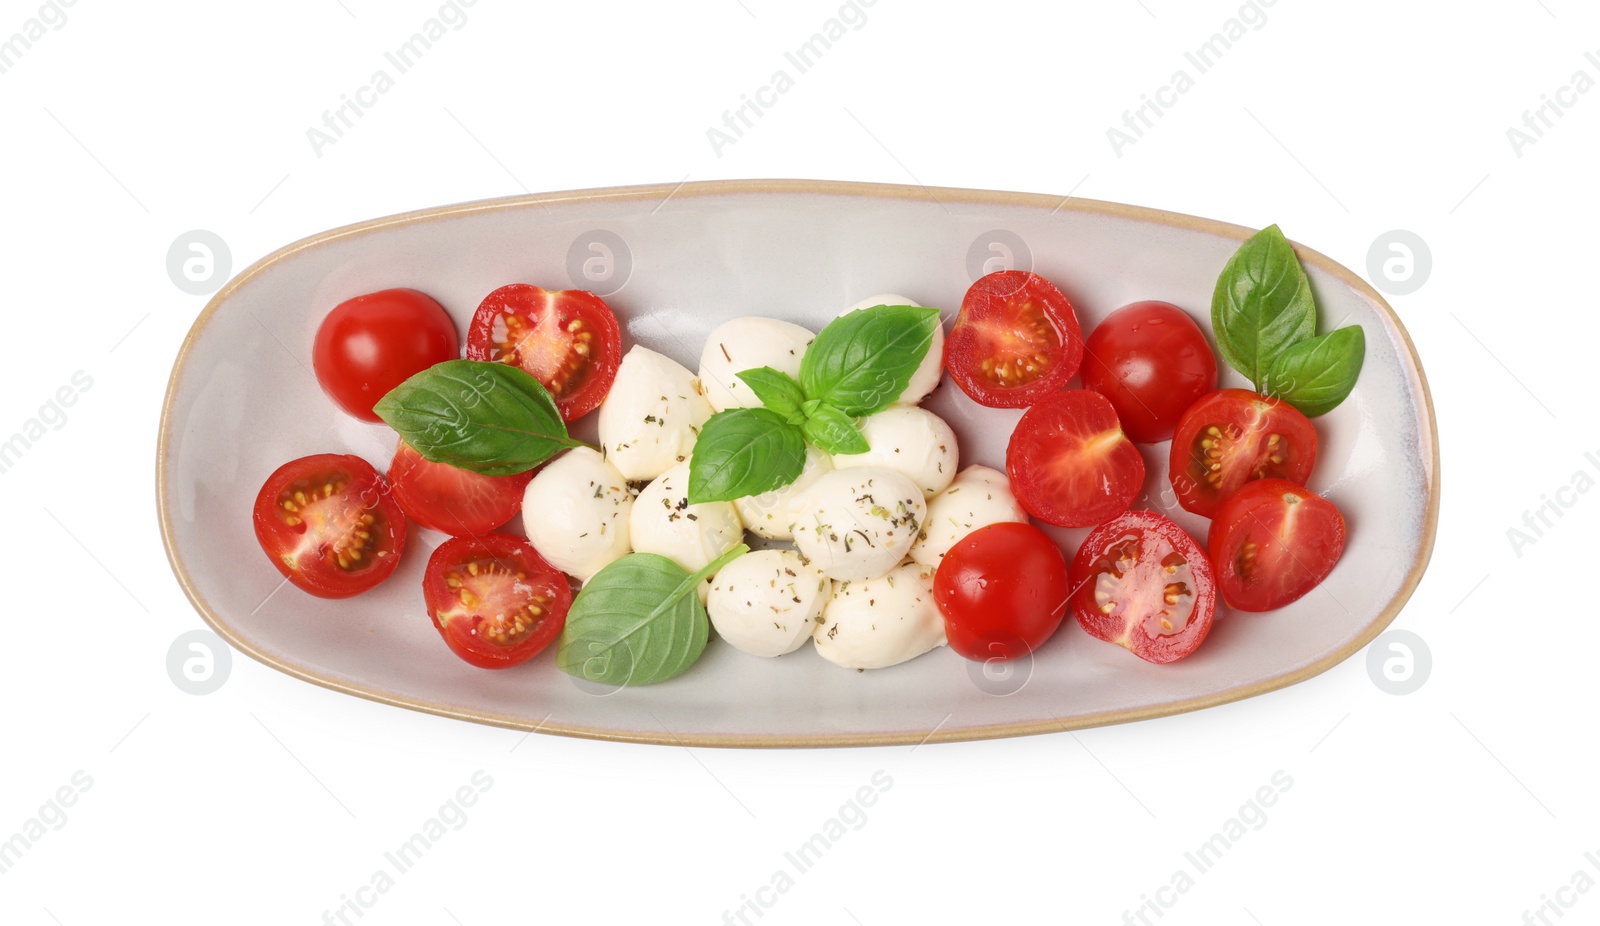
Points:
[[494, 599], [1151, 360], [1272, 542], [1070, 463], [370, 344], [1142, 583], [329, 524], [456, 501], [566, 339], [1015, 341], [1233, 436], [1002, 591]]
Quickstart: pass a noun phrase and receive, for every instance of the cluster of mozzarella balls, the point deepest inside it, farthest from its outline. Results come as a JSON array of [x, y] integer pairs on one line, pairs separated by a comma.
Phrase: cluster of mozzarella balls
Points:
[[866, 531]]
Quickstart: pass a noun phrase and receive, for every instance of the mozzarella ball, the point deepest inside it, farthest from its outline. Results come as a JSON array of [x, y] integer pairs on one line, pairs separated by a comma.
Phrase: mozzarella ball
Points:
[[772, 514], [880, 622], [766, 603], [652, 416], [743, 344], [576, 512], [978, 497], [663, 522], [926, 378], [909, 440], [858, 523]]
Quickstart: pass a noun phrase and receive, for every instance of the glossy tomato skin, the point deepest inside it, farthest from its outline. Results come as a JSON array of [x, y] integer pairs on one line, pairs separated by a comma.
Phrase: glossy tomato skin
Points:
[[1015, 341], [1272, 542], [1069, 462], [1233, 436], [569, 340], [494, 599], [458, 502], [330, 525], [1002, 591], [1141, 582], [370, 344], [1153, 362]]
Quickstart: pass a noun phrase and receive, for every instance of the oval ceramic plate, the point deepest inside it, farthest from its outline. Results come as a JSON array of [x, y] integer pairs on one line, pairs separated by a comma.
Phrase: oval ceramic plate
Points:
[[674, 262]]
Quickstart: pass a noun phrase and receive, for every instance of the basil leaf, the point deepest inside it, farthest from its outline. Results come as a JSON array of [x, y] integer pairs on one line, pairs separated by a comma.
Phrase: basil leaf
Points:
[[1316, 374], [834, 432], [1262, 304], [638, 621], [490, 418], [744, 451], [863, 360], [777, 390]]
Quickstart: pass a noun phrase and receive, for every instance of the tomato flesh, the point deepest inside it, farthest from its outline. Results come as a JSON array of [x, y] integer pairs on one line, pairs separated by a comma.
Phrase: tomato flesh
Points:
[[1069, 462], [1015, 340], [1142, 583], [1234, 436], [494, 599], [568, 340], [1002, 591], [370, 344], [330, 525], [1152, 361], [458, 502], [1273, 541]]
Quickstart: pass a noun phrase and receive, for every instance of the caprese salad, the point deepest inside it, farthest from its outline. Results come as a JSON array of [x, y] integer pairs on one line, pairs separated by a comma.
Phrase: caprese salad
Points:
[[878, 545]]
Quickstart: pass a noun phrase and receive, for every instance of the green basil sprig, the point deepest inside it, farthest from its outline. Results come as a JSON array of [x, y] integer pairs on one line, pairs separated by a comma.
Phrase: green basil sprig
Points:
[[738, 448], [490, 418], [833, 431], [1265, 321], [862, 361], [858, 365], [1262, 304], [1317, 374], [638, 621], [777, 391]]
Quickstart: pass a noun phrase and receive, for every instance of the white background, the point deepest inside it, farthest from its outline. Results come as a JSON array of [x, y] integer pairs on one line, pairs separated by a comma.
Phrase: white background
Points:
[[268, 801]]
